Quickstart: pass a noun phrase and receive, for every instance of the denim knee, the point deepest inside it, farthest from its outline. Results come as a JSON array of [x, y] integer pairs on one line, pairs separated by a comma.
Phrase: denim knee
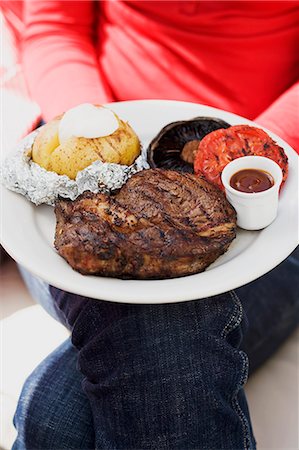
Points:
[[166, 376], [53, 412]]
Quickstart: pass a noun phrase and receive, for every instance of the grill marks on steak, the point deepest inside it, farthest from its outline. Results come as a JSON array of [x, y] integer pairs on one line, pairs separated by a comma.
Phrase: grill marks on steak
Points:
[[185, 201], [161, 224]]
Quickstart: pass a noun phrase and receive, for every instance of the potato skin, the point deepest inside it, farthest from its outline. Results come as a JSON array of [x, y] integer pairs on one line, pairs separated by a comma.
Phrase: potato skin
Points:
[[121, 147], [70, 158], [45, 143]]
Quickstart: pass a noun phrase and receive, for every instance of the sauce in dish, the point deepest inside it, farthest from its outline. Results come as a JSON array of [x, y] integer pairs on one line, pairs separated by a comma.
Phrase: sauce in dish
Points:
[[251, 181]]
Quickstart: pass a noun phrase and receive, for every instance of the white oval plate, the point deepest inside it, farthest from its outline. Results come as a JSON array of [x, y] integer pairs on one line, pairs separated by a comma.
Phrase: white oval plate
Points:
[[28, 231]]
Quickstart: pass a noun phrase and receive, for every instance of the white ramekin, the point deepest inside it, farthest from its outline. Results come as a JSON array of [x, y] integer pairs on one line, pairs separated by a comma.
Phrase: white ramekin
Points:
[[258, 209]]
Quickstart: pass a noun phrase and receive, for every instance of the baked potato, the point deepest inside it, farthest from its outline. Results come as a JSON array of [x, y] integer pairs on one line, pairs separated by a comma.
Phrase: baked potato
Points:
[[76, 153]]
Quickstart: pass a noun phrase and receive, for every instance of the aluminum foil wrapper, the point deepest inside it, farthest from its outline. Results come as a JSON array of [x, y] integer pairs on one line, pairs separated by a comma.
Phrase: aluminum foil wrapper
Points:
[[20, 174]]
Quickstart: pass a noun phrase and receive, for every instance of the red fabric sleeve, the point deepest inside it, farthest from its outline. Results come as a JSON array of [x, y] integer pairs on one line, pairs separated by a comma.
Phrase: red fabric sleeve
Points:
[[282, 117], [59, 55]]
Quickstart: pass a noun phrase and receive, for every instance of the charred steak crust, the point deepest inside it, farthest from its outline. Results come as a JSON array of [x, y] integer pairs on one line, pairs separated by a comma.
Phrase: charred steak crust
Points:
[[161, 224]]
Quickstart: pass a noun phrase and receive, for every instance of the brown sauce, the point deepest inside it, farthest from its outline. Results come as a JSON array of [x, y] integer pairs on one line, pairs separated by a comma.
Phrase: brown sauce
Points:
[[251, 180]]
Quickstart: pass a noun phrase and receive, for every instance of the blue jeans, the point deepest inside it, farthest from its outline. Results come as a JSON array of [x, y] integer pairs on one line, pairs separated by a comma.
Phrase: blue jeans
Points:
[[156, 376]]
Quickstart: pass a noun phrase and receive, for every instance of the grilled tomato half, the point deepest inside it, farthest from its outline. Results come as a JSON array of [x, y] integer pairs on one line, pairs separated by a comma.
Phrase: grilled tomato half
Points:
[[220, 147]]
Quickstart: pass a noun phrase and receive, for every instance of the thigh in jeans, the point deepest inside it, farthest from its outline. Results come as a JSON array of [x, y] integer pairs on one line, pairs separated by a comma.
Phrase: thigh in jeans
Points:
[[53, 412], [172, 378], [271, 304]]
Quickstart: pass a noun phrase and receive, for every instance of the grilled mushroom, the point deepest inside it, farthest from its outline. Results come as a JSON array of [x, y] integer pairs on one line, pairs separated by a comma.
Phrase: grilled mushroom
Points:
[[175, 146]]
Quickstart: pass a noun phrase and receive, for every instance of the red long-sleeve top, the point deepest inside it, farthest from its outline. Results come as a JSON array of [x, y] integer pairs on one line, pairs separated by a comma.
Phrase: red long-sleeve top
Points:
[[241, 56]]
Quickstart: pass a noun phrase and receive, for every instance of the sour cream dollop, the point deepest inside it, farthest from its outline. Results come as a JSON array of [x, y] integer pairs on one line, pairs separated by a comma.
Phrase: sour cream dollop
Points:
[[87, 121]]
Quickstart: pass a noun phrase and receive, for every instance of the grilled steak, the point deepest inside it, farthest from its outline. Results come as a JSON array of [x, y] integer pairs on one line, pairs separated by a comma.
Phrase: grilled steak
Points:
[[161, 224]]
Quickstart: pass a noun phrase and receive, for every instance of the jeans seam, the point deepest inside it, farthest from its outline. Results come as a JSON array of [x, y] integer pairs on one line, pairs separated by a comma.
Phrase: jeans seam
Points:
[[236, 404], [234, 321], [236, 317]]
